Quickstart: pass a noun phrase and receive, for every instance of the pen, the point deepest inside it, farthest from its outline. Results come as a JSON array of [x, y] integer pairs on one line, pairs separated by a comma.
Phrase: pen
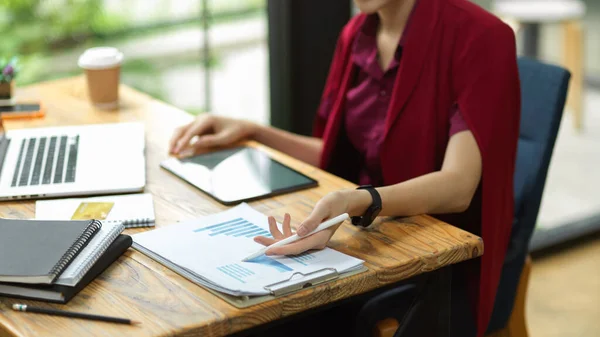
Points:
[[26, 308], [295, 237]]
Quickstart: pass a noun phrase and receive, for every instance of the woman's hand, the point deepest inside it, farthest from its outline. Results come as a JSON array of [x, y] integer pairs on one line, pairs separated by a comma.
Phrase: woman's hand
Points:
[[332, 205], [211, 131]]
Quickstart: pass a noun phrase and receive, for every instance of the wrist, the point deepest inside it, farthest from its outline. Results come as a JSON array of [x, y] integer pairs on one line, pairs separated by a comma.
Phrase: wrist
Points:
[[358, 202], [251, 129]]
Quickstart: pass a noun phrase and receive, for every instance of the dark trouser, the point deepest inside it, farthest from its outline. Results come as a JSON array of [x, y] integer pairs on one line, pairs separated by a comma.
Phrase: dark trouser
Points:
[[462, 318], [341, 320]]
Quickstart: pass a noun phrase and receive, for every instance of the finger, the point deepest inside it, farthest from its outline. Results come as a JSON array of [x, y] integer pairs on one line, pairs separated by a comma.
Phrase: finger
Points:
[[274, 230], [315, 241], [193, 149], [265, 241], [176, 136], [318, 215], [197, 128], [218, 139], [188, 152], [287, 229]]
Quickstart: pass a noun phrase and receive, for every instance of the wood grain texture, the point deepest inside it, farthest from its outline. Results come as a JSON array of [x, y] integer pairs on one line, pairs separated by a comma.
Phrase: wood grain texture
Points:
[[139, 288]]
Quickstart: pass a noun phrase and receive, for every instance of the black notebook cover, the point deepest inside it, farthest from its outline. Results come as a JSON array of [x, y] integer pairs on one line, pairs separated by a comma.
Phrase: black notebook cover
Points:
[[63, 294], [36, 252]]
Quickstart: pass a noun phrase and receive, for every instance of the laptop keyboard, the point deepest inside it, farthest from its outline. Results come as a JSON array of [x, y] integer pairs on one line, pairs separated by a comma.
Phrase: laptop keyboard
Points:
[[46, 160]]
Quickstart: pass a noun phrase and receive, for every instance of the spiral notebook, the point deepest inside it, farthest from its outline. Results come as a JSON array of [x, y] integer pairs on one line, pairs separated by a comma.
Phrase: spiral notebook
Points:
[[37, 252], [132, 210], [90, 254], [57, 293]]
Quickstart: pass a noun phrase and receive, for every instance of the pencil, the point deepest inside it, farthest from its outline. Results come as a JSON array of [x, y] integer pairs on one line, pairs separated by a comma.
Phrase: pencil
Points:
[[55, 312]]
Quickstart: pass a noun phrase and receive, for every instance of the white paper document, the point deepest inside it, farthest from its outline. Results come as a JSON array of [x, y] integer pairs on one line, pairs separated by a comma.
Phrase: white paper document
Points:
[[209, 252]]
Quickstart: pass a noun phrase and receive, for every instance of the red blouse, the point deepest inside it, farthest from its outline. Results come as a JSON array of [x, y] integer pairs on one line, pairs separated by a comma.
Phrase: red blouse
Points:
[[368, 100]]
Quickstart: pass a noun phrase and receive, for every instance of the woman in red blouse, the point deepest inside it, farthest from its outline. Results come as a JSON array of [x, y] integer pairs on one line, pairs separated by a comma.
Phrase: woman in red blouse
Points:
[[422, 102]]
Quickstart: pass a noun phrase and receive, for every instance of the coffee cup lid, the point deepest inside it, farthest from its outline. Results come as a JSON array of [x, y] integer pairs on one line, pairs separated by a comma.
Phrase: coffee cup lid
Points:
[[100, 58]]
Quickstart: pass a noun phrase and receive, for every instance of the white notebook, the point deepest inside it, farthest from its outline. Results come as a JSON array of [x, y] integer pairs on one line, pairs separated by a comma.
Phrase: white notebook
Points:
[[90, 254], [132, 210]]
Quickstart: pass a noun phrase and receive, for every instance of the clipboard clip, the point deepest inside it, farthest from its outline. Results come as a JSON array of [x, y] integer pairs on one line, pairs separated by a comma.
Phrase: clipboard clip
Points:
[[299, 280]]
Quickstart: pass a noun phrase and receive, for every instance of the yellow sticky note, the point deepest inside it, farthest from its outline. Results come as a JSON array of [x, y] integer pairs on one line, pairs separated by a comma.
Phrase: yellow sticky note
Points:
[[92, 210]]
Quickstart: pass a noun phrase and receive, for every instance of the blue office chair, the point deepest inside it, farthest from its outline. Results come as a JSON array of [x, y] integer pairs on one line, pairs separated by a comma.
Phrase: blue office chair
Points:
[[543, 94], [544, 90]]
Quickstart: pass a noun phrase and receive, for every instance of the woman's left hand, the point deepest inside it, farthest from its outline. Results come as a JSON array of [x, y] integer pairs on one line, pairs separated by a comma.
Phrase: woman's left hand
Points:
[[332, 205]]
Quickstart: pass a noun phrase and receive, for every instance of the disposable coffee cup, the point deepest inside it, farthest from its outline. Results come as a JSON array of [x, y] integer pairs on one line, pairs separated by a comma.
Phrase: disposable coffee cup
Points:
[[102, 67]]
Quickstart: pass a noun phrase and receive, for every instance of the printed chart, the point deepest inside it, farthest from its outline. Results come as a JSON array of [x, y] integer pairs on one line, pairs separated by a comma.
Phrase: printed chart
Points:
[[237, 228], [209, 251], [236, 272], [303, 258], [240, 273]]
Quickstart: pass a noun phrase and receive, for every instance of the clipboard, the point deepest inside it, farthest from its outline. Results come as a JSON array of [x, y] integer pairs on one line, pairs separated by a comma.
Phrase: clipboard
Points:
[[294, 284]]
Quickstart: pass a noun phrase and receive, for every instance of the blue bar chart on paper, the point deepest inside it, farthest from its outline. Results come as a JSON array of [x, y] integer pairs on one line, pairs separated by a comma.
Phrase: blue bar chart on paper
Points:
[[241, 273], [237, 228], [236, 272], [210, 252], [303, 258], [267, 261]]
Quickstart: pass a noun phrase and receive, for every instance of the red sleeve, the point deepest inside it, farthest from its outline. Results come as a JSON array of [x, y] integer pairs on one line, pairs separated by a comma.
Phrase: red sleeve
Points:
[[457, 122], [488, 94]]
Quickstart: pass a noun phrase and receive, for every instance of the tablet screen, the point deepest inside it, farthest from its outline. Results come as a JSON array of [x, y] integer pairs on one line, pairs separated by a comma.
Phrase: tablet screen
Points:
[[238, 174]]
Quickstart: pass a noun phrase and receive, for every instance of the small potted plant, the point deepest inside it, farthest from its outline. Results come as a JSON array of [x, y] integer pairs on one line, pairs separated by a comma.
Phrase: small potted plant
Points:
[[8, 73]]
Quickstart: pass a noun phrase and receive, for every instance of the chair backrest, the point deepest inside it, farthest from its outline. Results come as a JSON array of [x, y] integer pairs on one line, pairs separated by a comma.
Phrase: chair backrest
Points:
[[543, 94]]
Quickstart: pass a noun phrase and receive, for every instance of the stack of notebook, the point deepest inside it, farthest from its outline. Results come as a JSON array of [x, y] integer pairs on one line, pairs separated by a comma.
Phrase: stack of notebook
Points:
[[53, 260]]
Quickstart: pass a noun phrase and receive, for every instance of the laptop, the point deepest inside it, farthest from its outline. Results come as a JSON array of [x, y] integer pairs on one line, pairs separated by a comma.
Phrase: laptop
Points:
[[72, 161]]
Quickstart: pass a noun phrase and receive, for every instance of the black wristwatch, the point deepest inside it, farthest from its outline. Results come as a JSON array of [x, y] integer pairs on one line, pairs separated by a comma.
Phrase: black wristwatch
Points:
[[372, 211]]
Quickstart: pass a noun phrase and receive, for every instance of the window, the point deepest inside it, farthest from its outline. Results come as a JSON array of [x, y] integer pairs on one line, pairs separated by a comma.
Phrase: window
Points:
[[171, 53]]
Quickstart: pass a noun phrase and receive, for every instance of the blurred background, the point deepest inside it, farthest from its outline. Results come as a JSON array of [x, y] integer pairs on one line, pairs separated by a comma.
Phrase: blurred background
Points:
[[247, 59], [167, 45]]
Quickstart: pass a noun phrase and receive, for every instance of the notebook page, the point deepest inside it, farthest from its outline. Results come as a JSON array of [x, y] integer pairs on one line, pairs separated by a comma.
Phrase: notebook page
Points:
[[90, 254]]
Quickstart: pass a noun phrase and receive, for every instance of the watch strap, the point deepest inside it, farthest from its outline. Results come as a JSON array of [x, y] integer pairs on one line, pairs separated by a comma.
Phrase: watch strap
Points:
[[374, 194], [372, 210]]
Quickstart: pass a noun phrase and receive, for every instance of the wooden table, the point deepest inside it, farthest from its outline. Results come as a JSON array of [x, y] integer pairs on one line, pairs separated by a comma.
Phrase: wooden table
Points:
[[167, 304]]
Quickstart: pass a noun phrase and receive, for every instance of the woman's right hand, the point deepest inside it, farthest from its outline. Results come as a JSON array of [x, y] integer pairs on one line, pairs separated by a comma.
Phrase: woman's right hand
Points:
[[211, 131]]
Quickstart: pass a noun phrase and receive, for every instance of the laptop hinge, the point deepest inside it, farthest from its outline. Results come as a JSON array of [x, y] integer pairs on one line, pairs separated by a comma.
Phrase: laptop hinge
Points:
[[4, 143]]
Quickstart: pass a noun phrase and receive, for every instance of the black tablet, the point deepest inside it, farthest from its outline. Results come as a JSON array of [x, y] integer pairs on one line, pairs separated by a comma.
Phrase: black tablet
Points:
[[239, 174]]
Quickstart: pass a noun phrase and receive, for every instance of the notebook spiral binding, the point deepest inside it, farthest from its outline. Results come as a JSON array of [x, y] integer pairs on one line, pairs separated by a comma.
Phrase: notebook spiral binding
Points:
[[85, 266], [76, 247], [132, 223]]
